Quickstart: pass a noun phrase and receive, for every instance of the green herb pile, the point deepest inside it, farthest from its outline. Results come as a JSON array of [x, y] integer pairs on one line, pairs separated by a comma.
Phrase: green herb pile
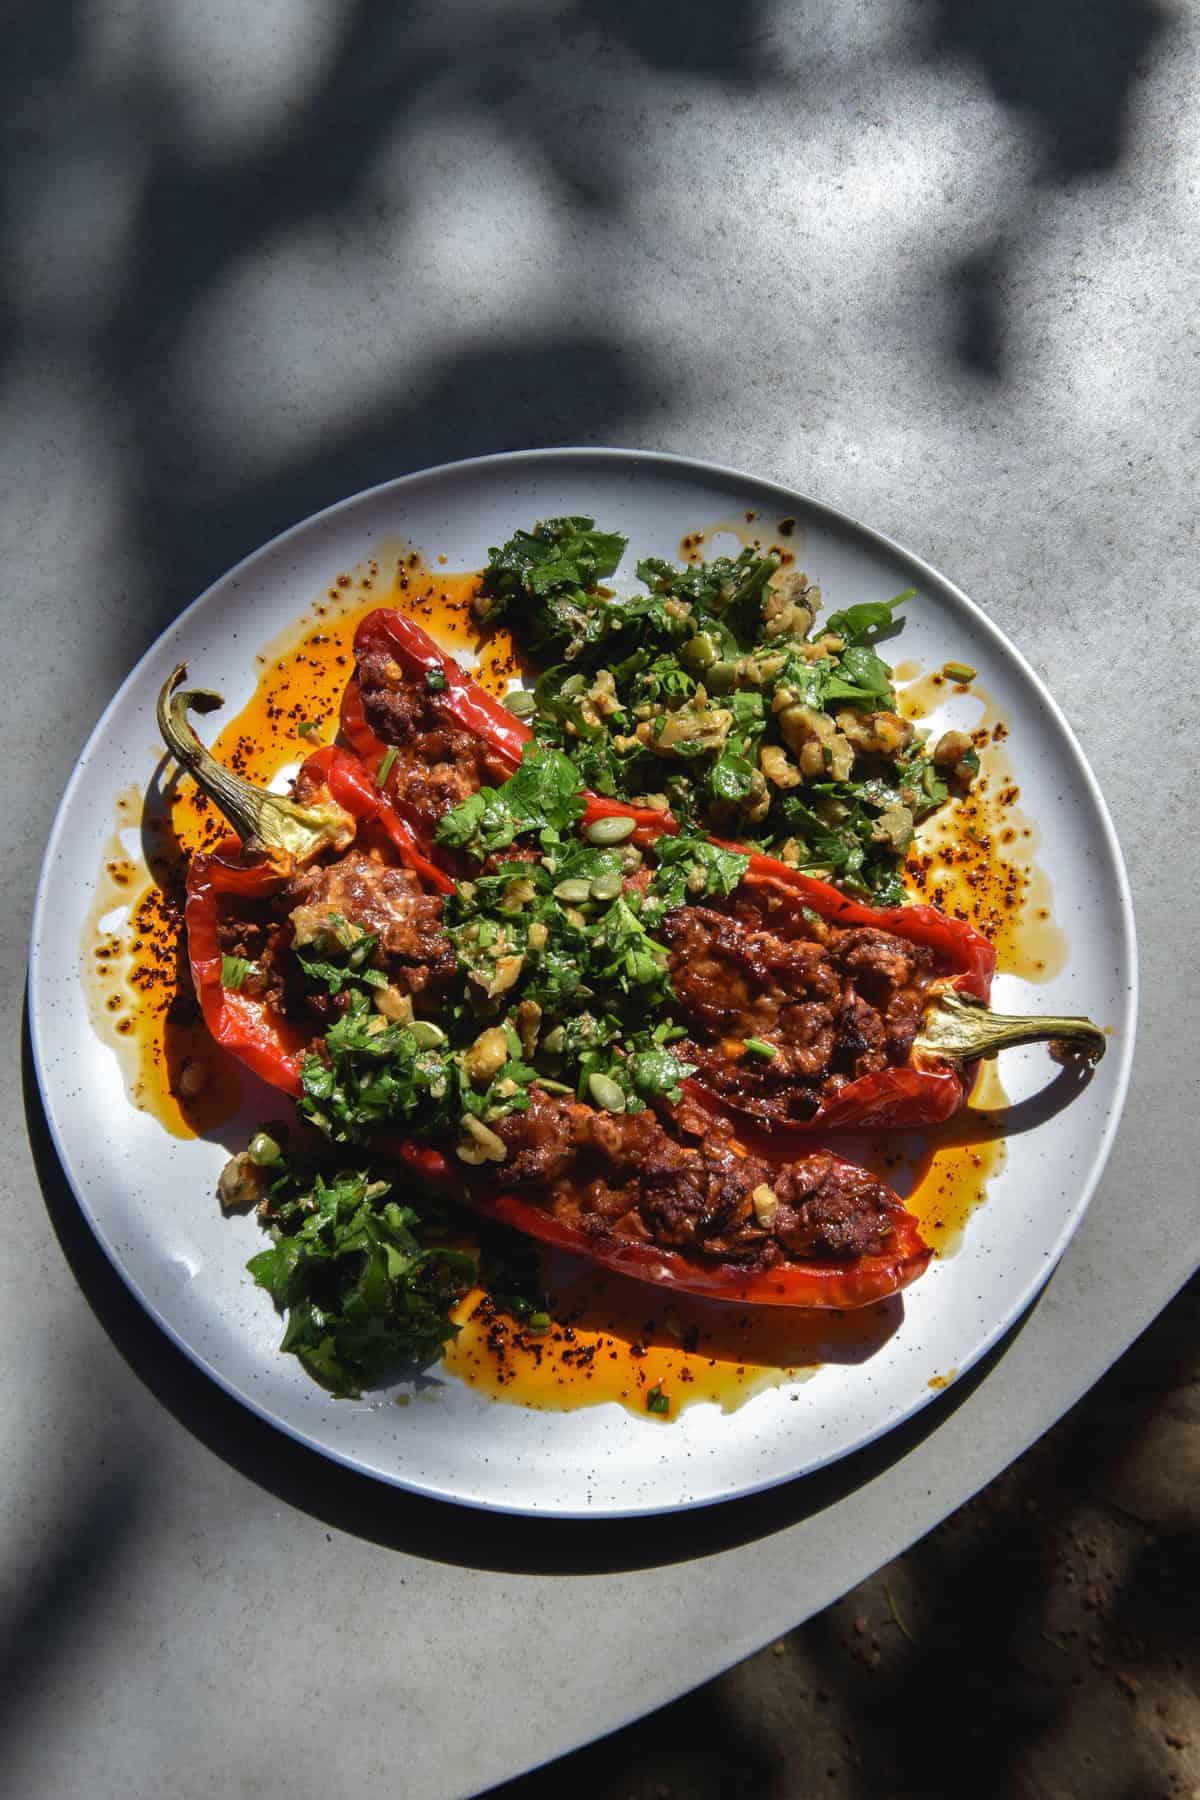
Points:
[[714, 693], [561, 984], [367, 1284]]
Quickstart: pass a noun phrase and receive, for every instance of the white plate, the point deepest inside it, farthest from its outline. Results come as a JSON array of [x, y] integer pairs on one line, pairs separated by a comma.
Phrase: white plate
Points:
[[148, 1197]]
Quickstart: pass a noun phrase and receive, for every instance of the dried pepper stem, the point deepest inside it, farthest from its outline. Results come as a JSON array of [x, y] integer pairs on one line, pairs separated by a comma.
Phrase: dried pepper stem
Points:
[[957, 1028], [286, 834]]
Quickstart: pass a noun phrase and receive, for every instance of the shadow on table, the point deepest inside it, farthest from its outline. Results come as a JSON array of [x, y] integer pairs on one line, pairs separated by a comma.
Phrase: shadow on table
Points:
[[394, 1519]]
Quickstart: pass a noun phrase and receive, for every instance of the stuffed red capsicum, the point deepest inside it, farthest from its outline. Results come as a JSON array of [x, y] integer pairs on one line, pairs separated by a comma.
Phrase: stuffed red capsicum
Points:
[[667, 1194], [897, 1015]]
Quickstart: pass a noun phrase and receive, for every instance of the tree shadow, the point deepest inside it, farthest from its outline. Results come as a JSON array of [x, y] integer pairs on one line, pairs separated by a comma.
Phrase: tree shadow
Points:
[[1070, 71], [1069, 67], [95, 1539], [990, 1591], [962, 1697]]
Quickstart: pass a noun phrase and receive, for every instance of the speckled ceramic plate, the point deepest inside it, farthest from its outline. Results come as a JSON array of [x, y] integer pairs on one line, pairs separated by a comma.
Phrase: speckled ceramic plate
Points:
[[148, 1196]]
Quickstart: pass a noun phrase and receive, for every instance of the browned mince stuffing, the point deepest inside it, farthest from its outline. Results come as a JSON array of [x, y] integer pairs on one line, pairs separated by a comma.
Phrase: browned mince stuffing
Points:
[[437, 763], [833, 1007], [388, 903], [628, 1177]]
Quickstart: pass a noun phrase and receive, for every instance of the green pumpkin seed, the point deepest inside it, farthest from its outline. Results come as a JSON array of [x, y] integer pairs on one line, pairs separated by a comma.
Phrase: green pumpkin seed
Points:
[[574, 891], [610, 831], [264, 1150], [606, 1093], [607, 887], [721, 676], [555, 1042], [520, 703], [480, 1138], [699, 652], [428, 1035], [631, 858]]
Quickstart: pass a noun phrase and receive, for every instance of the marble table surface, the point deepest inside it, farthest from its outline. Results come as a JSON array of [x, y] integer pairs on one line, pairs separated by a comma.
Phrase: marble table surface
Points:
[[933, 267]]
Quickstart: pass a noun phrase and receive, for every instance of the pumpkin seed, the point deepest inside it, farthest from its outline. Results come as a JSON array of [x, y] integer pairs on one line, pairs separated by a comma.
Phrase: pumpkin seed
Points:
[[264, 1150], [574, 891], [631, 858], [484, 1141], [520, 703], [700, 652], [607, 887], [610, 831], [606, 1093], [721, 676]]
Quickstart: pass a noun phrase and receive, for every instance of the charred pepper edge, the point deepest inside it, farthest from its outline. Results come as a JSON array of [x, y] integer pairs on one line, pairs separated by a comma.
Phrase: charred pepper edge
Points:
[[958, 1029], [274, 1049], [805, 1286]]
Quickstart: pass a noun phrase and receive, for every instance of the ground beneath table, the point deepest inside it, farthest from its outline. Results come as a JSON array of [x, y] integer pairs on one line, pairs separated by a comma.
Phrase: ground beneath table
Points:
[[1042, 1644]]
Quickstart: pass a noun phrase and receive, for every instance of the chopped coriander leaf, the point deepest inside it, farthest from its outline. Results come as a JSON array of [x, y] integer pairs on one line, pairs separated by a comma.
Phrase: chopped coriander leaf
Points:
[[544, 796], [308, 728], [435, 681], [545, 581], [336, 976], [235, 970], [656, 1072], [690, 868], [658, 1402], [715, 692], [863, 623], [363, 1289]]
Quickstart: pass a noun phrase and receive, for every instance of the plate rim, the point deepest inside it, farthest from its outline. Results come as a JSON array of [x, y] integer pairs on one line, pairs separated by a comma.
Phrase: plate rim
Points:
[[686, 466]]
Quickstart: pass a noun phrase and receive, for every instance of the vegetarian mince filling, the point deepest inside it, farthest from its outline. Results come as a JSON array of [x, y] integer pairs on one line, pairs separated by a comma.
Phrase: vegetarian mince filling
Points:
[[437, 763], [773, 1022]]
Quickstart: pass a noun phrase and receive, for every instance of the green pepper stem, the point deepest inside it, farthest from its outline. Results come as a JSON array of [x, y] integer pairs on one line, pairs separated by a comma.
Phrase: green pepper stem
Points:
[[957, 1028], [268, 824]]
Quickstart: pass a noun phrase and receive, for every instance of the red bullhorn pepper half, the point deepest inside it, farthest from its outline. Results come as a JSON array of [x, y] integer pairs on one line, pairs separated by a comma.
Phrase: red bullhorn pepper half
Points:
[[276, 837], [338, 805], [958, 1029]]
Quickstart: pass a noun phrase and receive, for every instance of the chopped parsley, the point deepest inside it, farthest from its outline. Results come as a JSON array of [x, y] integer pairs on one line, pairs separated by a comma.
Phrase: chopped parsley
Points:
[[363, 1293], [562, 980], [235, 970], [716, 689]]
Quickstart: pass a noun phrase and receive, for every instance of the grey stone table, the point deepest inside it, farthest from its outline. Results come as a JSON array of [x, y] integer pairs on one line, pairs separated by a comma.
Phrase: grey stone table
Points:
[[935, 263]]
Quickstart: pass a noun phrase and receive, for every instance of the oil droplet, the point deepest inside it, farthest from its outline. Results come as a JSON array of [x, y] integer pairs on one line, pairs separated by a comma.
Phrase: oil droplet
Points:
[[615, 1340], [977, 857], [139, 991]]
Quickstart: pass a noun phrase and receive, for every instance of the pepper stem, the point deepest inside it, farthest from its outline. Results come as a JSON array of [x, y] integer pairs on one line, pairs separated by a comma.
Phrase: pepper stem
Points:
[[957, 1028], [287, 834]]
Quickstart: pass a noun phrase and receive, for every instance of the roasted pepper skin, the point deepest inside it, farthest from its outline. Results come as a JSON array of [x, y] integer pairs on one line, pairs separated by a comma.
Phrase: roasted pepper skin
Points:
[[911, 1096], [463, 700], [271, 1046], [808, 1286], [275, 1050]]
